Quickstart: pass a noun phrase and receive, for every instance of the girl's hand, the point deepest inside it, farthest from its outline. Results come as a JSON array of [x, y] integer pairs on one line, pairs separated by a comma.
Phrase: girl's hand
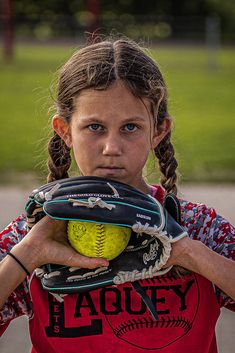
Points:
[[179, 252], [195, 256], [47, 242]]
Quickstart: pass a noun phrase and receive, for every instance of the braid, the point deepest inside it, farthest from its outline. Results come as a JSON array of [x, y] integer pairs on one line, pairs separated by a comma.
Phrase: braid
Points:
[[59, 160], [167, 164]]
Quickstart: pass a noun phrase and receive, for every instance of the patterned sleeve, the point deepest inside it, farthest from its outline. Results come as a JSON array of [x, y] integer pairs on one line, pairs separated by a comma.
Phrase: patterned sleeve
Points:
[[19, 302], [204, 224]]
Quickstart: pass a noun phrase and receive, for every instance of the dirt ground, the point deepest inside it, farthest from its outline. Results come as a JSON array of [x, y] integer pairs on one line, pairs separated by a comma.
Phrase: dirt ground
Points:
[[221, 197]]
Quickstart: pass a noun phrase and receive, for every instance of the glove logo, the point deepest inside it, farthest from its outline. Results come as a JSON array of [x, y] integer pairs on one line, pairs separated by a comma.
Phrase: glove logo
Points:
[[143, 216], [153, 253]]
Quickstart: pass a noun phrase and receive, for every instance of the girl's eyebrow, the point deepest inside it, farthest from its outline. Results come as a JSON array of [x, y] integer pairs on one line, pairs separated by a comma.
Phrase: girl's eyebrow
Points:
[[91, 119], [136, 118]]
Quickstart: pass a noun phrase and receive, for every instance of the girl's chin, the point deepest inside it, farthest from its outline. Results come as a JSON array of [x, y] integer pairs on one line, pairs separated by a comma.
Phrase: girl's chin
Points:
[[116, 174]]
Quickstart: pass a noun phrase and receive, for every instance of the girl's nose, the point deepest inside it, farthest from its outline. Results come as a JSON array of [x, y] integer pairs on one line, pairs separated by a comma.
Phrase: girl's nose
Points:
[[112, 145]]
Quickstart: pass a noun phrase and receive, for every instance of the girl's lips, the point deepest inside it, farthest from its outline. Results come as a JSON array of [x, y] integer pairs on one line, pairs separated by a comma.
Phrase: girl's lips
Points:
[[110, 167], [111, 170]]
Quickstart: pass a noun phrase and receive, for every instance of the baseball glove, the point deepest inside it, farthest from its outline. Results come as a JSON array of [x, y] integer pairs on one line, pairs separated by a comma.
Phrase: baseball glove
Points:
[[92, 199]]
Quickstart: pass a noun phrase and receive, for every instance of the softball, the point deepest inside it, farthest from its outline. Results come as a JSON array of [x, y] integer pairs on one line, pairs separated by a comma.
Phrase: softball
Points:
[[98, 240]]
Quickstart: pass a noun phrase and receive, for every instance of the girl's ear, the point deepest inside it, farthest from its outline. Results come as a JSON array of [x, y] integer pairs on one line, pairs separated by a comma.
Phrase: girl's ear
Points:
[[161, 131], [62, 128]]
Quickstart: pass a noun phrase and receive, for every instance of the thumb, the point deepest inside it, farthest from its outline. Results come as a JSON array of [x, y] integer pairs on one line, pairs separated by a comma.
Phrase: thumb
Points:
[[74, 259]]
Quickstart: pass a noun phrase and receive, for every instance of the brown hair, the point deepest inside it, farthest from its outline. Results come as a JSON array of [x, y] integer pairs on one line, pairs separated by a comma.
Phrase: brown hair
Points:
[[98, 66]]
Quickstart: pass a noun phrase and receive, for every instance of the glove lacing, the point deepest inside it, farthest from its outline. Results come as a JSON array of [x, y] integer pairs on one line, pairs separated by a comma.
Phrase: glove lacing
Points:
[[92, 202]]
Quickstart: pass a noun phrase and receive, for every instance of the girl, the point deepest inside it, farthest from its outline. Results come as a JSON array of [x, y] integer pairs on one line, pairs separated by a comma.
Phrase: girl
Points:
[[112, 112]]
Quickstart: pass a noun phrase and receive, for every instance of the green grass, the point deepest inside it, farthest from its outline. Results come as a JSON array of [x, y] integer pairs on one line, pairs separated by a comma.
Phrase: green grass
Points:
[[24, 102], [202, 105], [201, 102]]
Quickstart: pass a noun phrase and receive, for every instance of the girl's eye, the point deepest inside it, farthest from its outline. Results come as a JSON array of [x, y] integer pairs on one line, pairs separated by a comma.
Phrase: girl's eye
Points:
[[95, 127], [130, 127]]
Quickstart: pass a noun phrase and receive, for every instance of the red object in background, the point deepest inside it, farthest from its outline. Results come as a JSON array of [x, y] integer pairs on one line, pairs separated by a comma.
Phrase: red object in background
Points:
[[94, 8], [7, 29]]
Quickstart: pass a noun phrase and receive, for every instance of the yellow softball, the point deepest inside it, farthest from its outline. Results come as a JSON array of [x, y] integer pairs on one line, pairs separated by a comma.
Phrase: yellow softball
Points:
[[98, 240]]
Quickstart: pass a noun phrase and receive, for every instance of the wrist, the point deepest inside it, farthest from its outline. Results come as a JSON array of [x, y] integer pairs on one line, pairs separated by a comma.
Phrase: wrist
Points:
[[190, 254], [27, 254], [19, 263]]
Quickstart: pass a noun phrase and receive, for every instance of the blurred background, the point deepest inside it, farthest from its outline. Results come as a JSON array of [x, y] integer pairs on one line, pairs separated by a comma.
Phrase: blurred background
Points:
[[193, 42], [194, 45]]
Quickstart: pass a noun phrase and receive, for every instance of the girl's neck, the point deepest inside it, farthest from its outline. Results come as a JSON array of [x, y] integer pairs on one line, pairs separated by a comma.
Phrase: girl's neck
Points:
[[145, 187]]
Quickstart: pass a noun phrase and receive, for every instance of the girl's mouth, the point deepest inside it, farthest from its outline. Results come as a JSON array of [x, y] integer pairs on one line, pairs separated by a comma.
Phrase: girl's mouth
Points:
[[111, 170]]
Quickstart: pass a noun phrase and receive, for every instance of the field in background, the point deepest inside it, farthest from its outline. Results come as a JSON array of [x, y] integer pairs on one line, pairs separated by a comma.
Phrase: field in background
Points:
[[201, 101]]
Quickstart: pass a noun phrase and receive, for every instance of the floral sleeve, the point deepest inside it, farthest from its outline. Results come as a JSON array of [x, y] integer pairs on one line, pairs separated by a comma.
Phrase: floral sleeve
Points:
[[19, 302], [204, 224]]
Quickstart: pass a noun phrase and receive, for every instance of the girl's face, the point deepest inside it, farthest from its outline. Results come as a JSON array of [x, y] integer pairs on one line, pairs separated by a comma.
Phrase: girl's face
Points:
[[111, 134]]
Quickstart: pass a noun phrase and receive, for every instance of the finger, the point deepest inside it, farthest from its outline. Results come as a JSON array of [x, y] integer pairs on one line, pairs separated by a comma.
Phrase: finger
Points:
[[74, 259], [89, 262]]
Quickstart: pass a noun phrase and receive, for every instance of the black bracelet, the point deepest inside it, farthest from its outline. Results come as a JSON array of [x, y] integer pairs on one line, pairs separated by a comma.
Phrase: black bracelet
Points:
[[21, 265]]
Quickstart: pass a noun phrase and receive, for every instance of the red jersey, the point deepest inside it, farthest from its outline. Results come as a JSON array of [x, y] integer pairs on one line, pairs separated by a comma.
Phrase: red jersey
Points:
[[115, 319]]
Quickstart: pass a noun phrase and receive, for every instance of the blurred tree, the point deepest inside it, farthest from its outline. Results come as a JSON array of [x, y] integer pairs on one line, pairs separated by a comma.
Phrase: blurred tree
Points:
[[170, 7], [138, 7], [65, 16]]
